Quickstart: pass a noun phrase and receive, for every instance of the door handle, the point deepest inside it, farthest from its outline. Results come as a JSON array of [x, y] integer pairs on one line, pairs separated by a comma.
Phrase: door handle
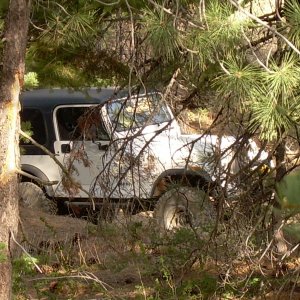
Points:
[[65, 148], [102, 147]]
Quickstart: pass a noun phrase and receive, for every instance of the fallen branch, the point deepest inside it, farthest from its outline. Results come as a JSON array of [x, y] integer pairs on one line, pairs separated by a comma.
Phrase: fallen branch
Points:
[[28, 175]]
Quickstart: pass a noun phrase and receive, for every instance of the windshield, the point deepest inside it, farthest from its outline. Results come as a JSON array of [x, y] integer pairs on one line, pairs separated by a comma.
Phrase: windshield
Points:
[[137, 112]]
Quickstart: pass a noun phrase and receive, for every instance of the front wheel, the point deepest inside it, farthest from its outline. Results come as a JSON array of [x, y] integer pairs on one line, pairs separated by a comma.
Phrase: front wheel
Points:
[[185, 207], [32, 196]]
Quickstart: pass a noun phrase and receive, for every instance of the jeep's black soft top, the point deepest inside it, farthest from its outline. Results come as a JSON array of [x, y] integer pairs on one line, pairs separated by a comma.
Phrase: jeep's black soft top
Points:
[[50, 98]]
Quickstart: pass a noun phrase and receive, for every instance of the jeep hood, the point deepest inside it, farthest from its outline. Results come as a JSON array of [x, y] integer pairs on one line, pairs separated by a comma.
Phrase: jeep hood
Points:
[[180, 151]]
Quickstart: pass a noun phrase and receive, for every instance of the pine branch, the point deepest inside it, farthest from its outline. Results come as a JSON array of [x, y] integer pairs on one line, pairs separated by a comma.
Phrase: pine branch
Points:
[[259, 21]]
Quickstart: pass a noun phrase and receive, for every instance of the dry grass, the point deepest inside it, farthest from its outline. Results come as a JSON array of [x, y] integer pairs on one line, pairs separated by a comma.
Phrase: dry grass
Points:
[[128, 259]]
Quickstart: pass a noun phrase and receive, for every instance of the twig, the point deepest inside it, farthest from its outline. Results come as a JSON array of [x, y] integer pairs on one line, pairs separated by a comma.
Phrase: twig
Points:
[[36, 27], [259, 21], [61, 7], [108, 4], [168, 11], [254, 53], [223, 68], [84, 275], [32, 259]]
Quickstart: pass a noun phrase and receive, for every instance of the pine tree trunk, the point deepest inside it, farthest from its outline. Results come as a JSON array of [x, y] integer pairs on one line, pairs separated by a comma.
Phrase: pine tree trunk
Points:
[[11, 80]]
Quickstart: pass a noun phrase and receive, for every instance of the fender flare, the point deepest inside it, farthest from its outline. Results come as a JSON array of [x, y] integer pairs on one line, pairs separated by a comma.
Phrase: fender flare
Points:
[[181, 172], [38, 173]]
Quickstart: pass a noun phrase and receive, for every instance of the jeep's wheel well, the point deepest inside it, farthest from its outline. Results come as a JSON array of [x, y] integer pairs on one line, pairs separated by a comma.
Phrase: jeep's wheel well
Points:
[[192, 179], [37, 173], [24, 178]]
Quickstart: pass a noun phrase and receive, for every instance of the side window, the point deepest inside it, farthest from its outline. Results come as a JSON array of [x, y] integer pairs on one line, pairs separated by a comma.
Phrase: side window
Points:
[[33, 119], [80, 123]]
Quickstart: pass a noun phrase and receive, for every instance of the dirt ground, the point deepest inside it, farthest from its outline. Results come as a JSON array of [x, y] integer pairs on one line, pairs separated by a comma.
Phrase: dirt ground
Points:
[[78, 260], [75, 251], [37, 226]]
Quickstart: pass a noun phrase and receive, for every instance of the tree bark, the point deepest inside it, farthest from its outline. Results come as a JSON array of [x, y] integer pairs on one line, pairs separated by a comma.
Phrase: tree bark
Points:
[[279, 241], [11, 81]]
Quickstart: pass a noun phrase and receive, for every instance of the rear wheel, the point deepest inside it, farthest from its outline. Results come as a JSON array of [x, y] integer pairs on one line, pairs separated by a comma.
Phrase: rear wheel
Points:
[[185, 207], [32, 196]]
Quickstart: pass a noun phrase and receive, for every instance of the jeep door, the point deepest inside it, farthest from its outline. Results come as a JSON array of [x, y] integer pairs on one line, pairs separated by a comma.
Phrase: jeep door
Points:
[[81, 144]]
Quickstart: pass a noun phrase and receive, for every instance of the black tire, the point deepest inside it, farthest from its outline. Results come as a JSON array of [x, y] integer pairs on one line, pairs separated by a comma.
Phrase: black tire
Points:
[[32, 196], [186, 207]]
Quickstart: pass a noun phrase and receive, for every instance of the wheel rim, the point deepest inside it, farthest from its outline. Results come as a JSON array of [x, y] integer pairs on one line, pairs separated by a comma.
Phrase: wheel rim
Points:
[[178, 216], [185, 208], [29, 194], [33, 197]]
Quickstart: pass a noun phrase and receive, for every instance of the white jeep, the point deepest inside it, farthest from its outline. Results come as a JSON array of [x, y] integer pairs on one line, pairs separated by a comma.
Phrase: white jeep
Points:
[[119, 148]]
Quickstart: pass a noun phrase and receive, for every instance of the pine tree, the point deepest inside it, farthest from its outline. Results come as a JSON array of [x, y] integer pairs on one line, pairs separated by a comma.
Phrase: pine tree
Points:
[[12, 73]]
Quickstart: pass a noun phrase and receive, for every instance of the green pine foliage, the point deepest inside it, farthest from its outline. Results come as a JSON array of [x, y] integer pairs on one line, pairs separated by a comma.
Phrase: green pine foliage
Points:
[[31, 81], [219, 35], [284, 78], [276, 109], [65, 30], [292, 14], [239, 80], [161, 34], [269, 93]]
